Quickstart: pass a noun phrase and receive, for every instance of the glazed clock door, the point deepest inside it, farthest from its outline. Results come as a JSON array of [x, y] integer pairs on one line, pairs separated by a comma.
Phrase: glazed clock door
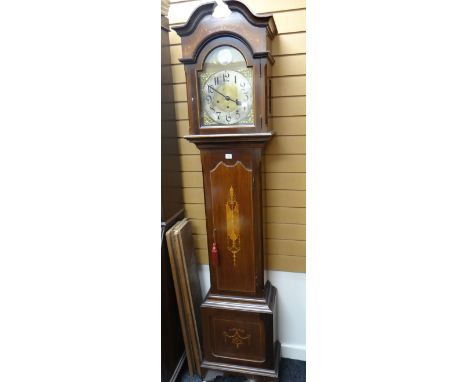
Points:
[[232, 214], [226, 89]]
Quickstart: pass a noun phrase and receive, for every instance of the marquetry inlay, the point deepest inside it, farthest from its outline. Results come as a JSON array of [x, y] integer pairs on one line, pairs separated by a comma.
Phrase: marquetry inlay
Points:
[[236, 337], [232, 225]]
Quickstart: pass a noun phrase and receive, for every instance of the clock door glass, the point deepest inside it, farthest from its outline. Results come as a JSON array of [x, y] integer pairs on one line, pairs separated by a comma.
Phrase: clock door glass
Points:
[[226, 89]]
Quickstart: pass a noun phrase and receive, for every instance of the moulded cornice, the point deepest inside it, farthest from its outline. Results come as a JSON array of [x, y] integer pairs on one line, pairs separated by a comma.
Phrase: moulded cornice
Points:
[[198, 14], [194, 19]]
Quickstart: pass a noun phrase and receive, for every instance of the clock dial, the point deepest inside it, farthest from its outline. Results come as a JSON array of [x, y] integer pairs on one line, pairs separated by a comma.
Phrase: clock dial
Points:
[[226, 97]]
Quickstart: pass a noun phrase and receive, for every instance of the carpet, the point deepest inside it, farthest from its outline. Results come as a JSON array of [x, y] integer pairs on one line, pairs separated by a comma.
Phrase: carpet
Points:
[[291, 370]]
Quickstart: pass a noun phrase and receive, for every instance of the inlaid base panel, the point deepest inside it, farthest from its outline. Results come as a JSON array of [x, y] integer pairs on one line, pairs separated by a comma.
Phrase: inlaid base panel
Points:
[[239, 334]]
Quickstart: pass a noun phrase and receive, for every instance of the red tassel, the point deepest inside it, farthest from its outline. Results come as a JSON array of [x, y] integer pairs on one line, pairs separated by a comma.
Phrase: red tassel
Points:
[[214, 255]]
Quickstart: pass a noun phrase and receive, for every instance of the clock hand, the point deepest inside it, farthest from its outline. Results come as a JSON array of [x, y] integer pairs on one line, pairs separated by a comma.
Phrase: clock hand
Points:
[[227, 98], [212, 88], [236, 101]]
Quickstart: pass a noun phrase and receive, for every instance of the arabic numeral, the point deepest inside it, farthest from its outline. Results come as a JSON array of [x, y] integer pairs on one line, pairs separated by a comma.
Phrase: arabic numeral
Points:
[[226, 77], [209, 98], [219, 113], [228, 118], [216, 81], [237, 114]]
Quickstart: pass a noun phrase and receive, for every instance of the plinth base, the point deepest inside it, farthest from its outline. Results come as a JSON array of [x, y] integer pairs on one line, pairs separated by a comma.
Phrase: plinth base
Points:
[[239, 335]]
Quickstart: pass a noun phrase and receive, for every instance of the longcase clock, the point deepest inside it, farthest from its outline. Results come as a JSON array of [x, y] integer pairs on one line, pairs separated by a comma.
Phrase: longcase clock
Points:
[[227, 64]]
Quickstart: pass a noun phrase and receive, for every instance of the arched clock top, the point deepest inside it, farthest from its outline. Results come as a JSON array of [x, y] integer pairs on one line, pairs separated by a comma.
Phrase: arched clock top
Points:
[[265, 21], [202, 27]]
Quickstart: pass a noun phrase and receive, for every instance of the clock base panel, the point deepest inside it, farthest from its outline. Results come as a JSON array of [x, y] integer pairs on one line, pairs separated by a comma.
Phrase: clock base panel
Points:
[[239, 334]]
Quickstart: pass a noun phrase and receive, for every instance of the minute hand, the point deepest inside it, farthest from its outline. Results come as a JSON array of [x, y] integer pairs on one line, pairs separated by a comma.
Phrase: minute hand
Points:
[[227, 98]]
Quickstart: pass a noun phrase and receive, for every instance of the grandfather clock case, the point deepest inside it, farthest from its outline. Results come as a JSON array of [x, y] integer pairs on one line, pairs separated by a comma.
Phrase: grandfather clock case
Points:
[[227, 64]]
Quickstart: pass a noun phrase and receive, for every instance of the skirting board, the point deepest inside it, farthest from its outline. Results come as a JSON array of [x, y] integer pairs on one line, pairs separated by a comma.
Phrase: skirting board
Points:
[[291, 309], [293, 351]]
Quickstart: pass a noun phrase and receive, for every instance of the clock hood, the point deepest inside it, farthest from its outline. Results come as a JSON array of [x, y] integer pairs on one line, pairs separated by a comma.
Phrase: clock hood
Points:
[[242, 23]]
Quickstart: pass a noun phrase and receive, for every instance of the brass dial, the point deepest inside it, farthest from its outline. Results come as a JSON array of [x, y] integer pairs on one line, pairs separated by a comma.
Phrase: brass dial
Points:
[[227, 97]]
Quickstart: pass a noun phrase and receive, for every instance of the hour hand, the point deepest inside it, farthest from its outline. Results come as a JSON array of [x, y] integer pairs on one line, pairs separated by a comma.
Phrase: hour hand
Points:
[[236, 101]]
